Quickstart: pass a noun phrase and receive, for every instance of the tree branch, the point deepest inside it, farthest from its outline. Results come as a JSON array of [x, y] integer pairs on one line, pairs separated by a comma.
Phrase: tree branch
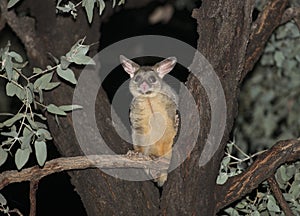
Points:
[[292, 13], [32, 196], [263, 168], [268, 20], [279, 197], [35, 173]]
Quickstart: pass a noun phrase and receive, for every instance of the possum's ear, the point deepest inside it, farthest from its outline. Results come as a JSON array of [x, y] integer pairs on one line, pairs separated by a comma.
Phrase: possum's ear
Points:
[[165, 66], [129, 66]]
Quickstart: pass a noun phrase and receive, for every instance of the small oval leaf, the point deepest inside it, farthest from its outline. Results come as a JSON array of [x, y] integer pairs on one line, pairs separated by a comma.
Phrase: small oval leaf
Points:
[[11, 121], [11, 3], [2, 200], [55, 110], [3, 157], [67, 108], [40, 152], [21, 157], [67, 74]]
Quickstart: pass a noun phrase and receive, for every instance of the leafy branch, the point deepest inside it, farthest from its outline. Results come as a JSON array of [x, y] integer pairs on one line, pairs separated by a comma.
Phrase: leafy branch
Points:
[[263, 168], [27, 129], [89, 5]]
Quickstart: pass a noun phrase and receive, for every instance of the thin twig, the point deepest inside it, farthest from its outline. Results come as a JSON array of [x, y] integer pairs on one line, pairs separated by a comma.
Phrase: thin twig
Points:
[[279, 197]]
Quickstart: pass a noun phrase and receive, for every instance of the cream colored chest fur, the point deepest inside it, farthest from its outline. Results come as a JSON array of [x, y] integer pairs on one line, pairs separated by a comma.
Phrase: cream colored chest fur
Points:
[[153, 124]]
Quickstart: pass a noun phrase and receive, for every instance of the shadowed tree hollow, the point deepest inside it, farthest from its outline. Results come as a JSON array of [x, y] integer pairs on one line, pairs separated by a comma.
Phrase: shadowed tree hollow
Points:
[[230, 38]]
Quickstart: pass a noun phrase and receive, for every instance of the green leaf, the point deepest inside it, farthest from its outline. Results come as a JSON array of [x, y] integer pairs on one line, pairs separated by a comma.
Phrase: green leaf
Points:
[[121, 2], [3, 157], [55, 110], [21, 157], [295, 188], [13, 89], [222, 178], [81, 49], [271, 205], [40, 92], [40, 116], [37, 70], [89, 7], [11, 121], [64, 63], [2, 200], [52, 85], [31, 122], [29, 95], [279, 58], [44, 133], [83, 60], [27, 131], [43, 81], [16, 56], [8, 65], [67, 108], [12, 133], [102, 6], [77, 49], [231, 211], [226, 161], [67, 74], [25, 141], [41, 125], [40, 152], [11, 3]]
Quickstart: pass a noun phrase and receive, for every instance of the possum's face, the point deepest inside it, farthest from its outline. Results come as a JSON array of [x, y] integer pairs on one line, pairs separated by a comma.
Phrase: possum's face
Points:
[[147, 81]]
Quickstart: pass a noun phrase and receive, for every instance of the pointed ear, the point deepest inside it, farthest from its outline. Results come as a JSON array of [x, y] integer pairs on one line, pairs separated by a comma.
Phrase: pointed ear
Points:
[[165, 66], [129, 66]]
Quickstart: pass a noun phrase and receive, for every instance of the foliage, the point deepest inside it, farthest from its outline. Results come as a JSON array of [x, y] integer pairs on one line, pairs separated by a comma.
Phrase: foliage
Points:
[[270, 99], [26, 130], [268, 112], [70, 7], [89, 5], [263, 202], [269, 104]]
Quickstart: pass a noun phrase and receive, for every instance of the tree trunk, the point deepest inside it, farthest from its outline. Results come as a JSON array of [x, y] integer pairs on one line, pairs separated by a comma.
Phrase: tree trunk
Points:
[[224, 29]]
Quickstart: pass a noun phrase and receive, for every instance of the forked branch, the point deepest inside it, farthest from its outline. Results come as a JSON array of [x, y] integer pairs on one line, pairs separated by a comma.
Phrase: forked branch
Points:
[[263, 168]]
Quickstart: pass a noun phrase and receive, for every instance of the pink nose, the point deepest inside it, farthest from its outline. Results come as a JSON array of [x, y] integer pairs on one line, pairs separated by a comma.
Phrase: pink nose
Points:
[[144, 87]]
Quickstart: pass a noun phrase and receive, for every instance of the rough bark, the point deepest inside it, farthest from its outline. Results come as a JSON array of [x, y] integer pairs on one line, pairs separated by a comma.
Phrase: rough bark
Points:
[[231, 46], [223, 39], [100, 193]]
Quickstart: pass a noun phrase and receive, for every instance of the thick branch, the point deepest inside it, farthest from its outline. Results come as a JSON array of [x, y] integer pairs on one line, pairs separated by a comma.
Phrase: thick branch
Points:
[[34, 174], [268, 20], [279, 197], [262, 169]]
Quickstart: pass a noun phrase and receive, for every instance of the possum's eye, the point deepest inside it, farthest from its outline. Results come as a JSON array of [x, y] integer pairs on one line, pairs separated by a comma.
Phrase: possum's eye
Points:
[[137, 78], [152, 79]]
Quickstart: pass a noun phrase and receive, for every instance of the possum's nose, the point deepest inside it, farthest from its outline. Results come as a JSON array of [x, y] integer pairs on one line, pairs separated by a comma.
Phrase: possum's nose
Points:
[[144, 87]]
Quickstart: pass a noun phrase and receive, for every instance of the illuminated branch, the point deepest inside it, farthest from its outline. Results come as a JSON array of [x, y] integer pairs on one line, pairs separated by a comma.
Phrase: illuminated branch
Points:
[[263, 168]]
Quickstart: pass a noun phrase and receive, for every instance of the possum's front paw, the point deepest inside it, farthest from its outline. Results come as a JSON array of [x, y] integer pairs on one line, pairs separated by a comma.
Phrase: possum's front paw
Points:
[[161, 179]]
